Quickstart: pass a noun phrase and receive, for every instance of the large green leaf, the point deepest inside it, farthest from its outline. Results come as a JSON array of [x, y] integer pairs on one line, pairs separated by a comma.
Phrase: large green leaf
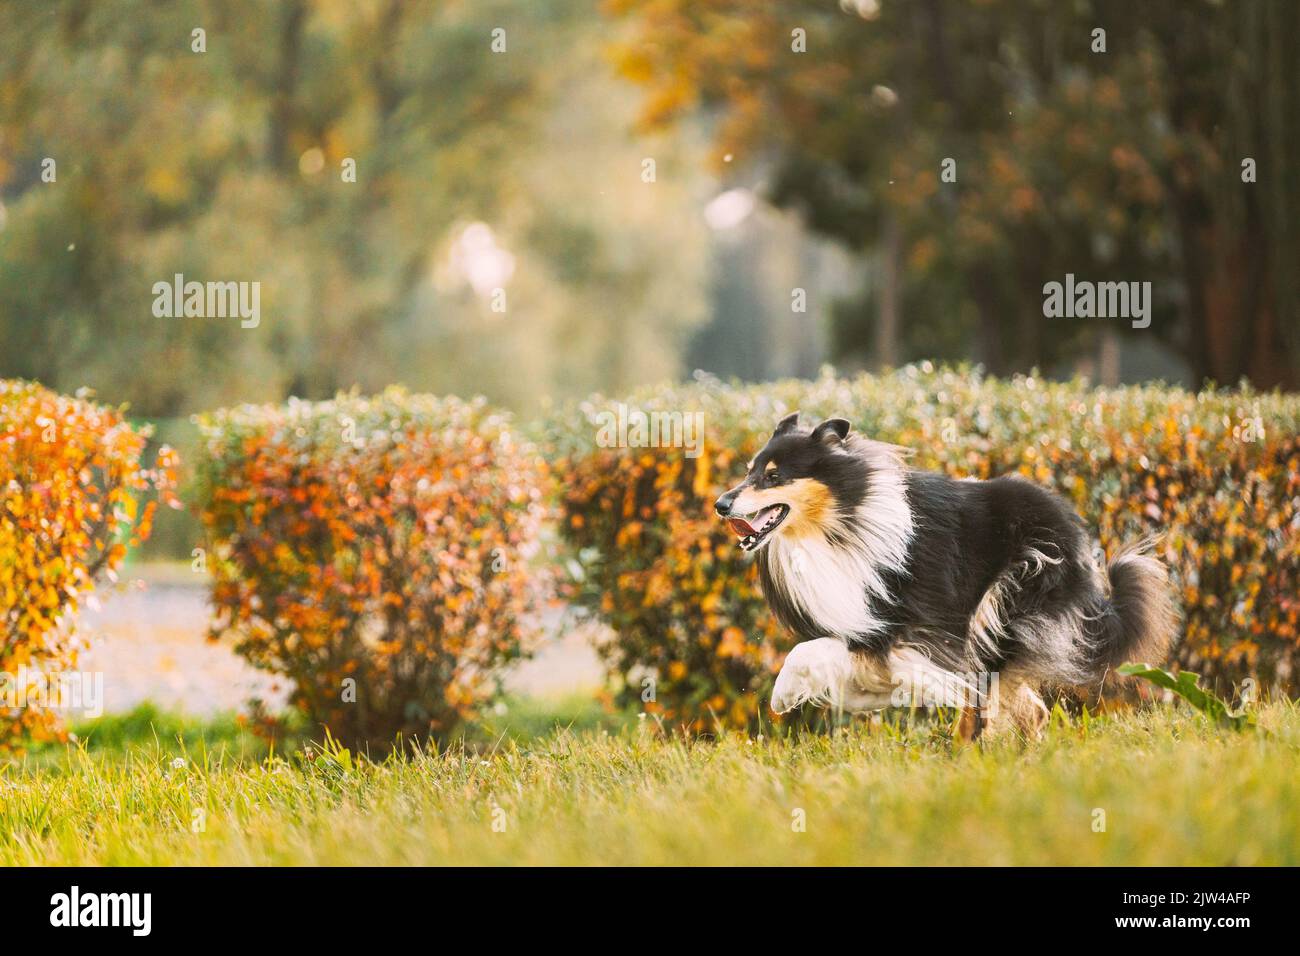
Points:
[[1187, 686]]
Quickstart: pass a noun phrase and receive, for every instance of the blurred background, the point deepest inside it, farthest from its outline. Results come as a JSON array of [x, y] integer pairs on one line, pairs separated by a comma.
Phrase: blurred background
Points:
[[796, 145], [559, 196]]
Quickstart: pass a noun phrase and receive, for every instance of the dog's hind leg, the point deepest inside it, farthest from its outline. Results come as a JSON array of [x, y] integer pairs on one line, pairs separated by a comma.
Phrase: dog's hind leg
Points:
[[1016, 705]]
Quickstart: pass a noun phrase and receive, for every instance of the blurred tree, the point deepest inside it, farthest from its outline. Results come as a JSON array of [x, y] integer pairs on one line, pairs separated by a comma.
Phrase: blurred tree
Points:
[[1114, 157], [508, 167]]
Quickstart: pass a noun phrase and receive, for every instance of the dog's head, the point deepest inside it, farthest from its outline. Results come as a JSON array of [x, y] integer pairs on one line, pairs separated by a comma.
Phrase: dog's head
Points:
[[797, 485]]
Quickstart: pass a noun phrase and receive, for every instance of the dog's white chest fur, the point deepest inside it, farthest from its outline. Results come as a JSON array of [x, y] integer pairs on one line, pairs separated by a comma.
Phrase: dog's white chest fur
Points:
[[829, 584]]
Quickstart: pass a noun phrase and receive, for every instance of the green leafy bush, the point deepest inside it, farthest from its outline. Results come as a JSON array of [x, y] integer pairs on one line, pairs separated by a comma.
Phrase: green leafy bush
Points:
[[1215, 474], [376, 551]]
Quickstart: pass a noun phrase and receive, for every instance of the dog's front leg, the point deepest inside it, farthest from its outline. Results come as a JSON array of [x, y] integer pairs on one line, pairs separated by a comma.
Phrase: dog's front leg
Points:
[[826, 672]]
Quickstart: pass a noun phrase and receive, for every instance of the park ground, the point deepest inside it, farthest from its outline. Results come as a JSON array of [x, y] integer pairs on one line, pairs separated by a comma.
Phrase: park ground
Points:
[[565, 783], [169, 775]]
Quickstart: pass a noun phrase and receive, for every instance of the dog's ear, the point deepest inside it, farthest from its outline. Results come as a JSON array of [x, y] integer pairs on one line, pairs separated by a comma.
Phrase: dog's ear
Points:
[[832, 431], [789, 423]]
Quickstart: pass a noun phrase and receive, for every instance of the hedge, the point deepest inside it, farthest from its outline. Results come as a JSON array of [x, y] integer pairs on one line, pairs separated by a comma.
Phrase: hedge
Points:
[[376, 551], [1215, 474], [70, 485]]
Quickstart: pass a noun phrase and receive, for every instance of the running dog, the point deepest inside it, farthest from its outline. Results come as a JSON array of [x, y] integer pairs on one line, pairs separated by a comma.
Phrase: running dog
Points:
[[902, 585]]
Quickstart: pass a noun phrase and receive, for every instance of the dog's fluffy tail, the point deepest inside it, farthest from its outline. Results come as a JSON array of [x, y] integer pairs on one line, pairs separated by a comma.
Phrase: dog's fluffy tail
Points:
[[1140, 620]]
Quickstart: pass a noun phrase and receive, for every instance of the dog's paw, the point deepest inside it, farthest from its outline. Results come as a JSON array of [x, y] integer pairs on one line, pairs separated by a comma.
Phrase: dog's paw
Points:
[[815, 671]]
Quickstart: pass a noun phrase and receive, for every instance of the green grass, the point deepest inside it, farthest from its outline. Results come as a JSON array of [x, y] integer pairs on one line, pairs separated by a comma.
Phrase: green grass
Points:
[[145, 724], [1175, 790]]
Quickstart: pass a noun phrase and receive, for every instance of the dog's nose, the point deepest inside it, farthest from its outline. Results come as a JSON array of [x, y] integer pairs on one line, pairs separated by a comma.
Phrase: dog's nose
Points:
[[723, 505]]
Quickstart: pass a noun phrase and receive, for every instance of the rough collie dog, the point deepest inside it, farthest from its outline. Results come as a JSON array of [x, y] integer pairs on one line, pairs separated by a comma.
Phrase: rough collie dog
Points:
[[906, 586]]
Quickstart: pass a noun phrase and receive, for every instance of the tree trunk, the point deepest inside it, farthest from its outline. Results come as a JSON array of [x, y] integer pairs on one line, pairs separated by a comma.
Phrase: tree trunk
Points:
[[278, 151], [1108, 358], [887, 321]]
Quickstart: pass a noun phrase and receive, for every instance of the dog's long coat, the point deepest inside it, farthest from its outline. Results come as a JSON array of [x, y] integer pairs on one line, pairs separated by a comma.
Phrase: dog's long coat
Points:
[[892, 575]]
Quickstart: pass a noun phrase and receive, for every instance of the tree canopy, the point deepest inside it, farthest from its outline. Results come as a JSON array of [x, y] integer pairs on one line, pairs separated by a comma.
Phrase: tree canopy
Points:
[[1152, 142]]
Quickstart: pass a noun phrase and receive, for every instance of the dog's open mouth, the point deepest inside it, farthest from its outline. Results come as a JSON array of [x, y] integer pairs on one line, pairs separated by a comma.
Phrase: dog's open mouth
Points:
[[754, 529]]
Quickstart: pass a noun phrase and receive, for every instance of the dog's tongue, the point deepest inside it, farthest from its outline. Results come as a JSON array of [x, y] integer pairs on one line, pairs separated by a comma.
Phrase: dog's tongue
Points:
[[740, 526]]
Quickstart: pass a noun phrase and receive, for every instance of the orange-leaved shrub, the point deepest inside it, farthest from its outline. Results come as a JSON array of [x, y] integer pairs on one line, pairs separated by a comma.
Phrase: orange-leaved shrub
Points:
[[1216, 475], [71, 484], [376, 551]]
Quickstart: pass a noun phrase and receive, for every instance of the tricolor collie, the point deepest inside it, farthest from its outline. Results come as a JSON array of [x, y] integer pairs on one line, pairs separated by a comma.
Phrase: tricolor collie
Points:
[[902, 583]]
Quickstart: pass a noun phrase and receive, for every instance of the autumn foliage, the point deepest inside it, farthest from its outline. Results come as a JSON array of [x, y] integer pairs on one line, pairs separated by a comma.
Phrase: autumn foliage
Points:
[[71, 484], [1216, 475], [376, 551]]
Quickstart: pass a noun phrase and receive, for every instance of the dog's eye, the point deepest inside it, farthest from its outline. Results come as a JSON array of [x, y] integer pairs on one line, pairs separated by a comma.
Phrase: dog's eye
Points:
[[773, 478]]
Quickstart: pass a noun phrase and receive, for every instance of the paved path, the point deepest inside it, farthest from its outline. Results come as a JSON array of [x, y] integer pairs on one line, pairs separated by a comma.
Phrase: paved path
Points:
[[148, 639]]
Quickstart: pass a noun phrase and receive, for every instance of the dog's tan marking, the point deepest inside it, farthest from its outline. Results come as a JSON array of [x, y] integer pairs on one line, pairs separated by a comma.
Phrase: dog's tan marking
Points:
[[811, 506], [810, 502], [967, 724]]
